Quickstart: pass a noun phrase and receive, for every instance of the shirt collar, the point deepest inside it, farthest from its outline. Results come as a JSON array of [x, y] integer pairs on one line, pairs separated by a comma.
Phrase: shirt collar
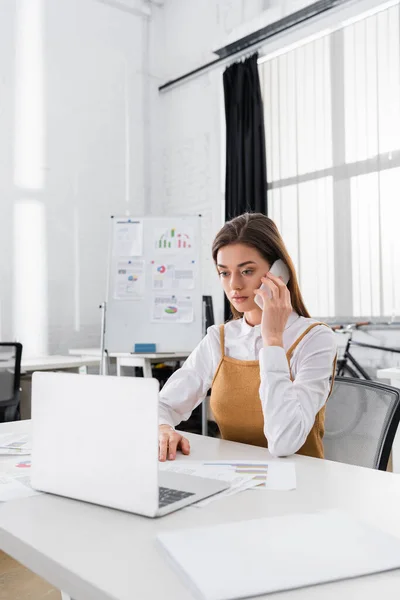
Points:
[[246, 328]]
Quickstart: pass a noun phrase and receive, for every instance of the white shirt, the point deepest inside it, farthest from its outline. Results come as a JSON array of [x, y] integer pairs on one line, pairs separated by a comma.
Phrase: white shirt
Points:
[[289, 407]]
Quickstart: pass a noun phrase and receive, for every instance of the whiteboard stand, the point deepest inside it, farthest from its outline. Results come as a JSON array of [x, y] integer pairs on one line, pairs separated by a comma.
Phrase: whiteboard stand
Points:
[[204, 424], [103, 351]]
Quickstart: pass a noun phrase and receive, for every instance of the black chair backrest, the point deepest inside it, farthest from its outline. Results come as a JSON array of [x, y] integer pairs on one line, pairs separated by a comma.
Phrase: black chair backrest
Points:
[[10, 373], [361, 421], [208, 312]]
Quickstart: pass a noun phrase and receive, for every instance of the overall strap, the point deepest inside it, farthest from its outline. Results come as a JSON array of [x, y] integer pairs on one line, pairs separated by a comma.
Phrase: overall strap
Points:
[[293, 347], [222, 339]]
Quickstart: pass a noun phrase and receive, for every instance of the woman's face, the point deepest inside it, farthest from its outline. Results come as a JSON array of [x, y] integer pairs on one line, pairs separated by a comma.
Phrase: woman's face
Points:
[[240, 269]]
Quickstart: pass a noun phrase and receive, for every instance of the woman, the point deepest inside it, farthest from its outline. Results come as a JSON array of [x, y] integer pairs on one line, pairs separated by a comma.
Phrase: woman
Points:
[[268, 369]]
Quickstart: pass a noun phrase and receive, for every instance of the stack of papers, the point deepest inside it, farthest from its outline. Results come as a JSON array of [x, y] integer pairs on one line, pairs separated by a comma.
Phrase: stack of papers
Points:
[[15, 444], [241, 475], [14, 474], [261, 556]]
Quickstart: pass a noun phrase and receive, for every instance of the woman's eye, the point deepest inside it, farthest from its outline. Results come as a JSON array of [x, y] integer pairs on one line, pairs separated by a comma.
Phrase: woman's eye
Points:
[[247, 272], [223, 273]]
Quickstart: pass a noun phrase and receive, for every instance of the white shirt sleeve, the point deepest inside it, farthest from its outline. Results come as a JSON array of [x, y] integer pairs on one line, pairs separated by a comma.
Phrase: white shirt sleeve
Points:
[[188, 386], [290, 407]]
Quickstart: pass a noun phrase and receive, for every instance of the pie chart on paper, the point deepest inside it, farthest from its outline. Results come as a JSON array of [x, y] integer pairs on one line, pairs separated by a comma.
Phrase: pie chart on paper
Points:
[[171, 310]]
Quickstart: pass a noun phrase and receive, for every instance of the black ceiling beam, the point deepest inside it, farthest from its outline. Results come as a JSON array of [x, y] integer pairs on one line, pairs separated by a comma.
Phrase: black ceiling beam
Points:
[[258, 37]]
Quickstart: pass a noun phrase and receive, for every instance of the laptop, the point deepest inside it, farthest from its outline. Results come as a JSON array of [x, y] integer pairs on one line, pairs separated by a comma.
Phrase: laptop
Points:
[[95, 438]]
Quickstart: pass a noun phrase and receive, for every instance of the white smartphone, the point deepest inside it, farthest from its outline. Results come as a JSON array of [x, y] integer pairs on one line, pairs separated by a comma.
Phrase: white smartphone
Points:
[[279, 269]]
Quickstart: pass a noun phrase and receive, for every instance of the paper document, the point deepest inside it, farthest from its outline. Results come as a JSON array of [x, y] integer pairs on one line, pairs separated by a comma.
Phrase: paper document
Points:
[[261, 556], [129, 280], [172, 275], [241, 475], [270, 475], [14, 443], [128, 237], [12, 488], [237, 482], [168, 308]]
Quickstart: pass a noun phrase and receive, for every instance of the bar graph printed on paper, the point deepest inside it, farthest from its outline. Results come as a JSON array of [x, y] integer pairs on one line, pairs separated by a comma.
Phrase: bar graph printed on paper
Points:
[[171, 239]]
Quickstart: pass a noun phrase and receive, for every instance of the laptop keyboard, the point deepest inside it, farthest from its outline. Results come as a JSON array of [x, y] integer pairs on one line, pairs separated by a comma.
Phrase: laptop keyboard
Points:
[[168, 496]]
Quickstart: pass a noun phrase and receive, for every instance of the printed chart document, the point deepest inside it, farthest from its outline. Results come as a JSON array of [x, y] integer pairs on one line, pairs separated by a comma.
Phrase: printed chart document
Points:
[[177, 274], [129, 279], [261, 556], [168, 308], [15, 443], [269, 475], [128, 237], [241, 475], [15, 479]]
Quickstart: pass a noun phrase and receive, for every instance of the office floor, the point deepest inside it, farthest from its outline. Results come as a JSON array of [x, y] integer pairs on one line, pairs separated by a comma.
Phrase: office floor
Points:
[[18, 583]]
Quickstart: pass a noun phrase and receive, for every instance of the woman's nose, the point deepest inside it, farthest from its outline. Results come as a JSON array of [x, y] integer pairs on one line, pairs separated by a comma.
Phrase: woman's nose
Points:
[[236, 283]]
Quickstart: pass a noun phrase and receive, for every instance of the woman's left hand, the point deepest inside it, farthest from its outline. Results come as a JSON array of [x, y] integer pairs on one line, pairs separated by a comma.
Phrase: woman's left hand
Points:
[[276, 310]]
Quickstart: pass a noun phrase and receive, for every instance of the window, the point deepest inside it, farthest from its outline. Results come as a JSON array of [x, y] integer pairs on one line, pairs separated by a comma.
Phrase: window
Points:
[[332, 121]]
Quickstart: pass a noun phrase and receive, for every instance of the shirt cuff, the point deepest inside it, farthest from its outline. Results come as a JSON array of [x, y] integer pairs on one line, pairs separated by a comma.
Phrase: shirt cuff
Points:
[[164, 422], [273, 360]]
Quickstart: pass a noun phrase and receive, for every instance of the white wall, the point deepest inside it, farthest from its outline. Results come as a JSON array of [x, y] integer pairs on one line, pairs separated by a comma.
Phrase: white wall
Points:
[[71, 154], [190, 117]]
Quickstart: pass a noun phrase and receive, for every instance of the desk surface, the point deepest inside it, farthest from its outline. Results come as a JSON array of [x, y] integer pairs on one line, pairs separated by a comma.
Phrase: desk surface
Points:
[[148, 355], [51, 362], [391, 373], [95, 553], [44, 363]]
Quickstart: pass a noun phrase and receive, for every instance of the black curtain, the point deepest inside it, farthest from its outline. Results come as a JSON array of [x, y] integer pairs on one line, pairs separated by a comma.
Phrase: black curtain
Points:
[[246, 169]]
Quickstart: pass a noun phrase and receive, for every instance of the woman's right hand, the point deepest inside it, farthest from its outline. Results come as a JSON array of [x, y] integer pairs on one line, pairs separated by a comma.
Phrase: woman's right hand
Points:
[[169, 441]]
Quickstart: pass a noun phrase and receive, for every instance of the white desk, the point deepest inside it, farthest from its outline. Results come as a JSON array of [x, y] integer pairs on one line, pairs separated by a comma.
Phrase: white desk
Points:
[[57, 362], [128, 360], [393, 374], [95, 553]]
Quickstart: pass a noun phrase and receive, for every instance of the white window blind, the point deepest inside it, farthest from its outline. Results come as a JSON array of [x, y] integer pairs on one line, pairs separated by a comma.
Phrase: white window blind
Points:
[[332, 124]]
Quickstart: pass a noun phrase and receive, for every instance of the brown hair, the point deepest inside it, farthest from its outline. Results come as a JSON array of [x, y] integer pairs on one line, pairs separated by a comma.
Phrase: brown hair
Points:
[[260, 232]]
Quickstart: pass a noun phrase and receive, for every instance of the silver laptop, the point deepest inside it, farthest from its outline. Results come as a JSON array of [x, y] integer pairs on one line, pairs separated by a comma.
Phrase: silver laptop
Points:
[[95, 438]]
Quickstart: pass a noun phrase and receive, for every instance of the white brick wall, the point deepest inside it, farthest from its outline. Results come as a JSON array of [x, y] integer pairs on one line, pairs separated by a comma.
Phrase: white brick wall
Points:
[[92, 102]]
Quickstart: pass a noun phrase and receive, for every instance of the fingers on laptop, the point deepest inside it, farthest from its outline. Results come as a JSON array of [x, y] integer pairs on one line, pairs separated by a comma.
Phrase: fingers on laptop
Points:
[[170, 442], [185, 446], [163, 446]]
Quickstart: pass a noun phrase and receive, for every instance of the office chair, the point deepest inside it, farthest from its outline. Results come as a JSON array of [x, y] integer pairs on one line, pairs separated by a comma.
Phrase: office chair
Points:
[[10, 377], [361, 421]]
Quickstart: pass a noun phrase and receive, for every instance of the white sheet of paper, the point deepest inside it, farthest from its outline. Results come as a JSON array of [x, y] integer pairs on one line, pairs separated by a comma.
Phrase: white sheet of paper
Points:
[[12, 488], [129, 280], [128, 237], [169, 308], [261, 556], [172, 275]]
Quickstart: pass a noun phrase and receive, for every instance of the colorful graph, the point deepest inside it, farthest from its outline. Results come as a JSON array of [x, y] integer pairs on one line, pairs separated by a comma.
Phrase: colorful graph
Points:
[[170, 239], [25, 464], [171, 310]]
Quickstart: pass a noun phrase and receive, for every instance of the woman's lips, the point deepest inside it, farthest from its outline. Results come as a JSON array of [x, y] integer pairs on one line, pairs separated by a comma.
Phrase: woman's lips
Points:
[[239, 299]]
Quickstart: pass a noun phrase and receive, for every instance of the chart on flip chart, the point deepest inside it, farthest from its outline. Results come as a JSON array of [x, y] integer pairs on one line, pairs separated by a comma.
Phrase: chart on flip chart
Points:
[[154, 288]]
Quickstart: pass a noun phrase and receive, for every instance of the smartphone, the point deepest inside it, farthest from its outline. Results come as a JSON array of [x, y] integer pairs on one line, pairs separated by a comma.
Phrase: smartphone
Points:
[[279, 269]]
